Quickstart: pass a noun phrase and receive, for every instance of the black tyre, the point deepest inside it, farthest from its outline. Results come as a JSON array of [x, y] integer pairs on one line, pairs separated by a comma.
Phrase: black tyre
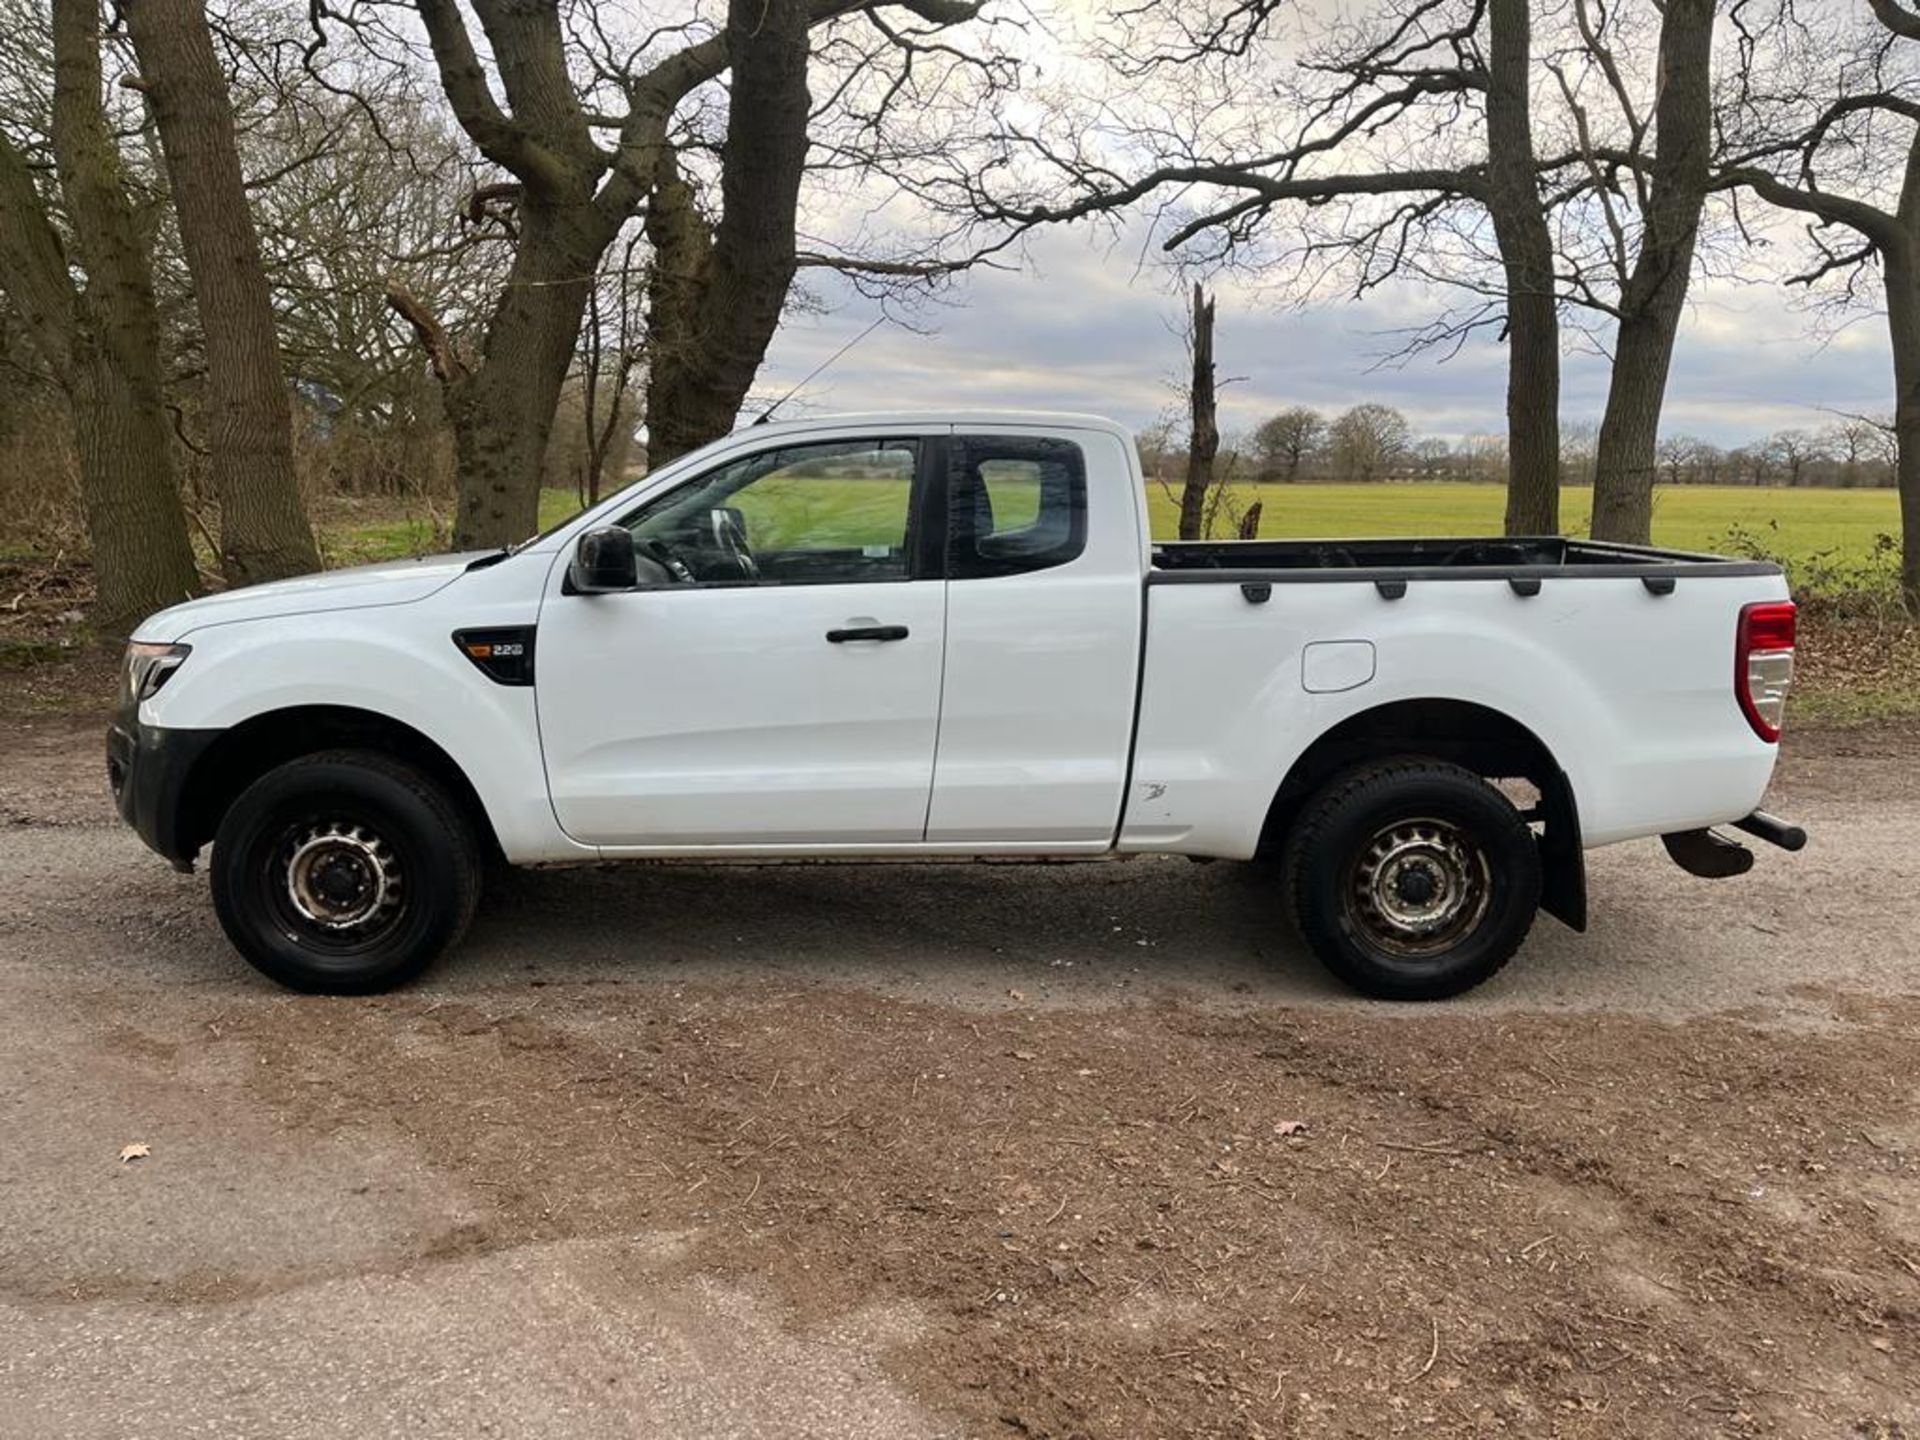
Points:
[[1413, 879], [344, 873]]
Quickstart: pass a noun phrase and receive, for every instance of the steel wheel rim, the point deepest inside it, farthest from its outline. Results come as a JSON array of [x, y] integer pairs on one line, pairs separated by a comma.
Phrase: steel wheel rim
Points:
[[337, 882], [1418, 888]]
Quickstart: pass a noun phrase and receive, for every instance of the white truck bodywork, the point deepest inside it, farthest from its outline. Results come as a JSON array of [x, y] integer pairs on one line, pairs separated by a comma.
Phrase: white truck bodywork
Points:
[[1105, 704]]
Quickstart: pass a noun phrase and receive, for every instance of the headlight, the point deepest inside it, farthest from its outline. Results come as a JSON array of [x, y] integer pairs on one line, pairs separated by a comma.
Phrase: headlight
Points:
[[149, 666]]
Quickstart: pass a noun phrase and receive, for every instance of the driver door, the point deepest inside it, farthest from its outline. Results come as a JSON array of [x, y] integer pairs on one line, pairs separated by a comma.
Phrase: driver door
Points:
[[785, 689]]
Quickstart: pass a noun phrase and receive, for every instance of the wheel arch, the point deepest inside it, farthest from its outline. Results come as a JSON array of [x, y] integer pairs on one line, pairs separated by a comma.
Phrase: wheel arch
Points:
[[262, 742], [1478, 738]]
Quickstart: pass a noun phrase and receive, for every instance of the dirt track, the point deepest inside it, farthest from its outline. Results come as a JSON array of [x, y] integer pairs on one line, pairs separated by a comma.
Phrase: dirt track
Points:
[[964, 1150]]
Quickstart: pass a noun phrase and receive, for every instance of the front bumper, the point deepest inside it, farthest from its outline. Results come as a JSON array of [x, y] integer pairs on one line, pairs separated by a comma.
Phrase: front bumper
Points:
[[148, 769]]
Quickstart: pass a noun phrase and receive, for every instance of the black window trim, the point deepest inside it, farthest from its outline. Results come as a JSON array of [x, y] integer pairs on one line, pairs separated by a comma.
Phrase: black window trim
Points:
[[1019, 445]]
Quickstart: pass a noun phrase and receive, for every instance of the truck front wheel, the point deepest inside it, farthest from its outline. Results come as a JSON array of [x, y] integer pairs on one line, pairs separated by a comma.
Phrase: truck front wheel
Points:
[[1413, 879], [344, 873]]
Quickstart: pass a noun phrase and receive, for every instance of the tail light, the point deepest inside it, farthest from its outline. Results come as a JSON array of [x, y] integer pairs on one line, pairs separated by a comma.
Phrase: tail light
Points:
[[1763, 665]]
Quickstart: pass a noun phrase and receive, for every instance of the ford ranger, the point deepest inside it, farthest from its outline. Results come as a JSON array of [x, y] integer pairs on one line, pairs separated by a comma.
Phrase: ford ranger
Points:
[[953, 635]]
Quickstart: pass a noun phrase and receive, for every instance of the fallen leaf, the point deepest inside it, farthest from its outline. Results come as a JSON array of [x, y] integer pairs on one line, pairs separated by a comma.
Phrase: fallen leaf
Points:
[[1290, 1127], [138, 1150]]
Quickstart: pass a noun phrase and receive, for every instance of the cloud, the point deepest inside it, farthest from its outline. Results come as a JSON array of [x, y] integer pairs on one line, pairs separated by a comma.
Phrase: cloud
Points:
[[1093, 325]]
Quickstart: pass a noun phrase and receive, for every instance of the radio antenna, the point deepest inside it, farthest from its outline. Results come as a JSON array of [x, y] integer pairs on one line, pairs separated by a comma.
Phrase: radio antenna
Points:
[[808, 378]]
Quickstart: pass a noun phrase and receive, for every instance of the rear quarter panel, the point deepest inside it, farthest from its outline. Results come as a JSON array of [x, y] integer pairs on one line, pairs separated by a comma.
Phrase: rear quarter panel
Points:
[[1631, 692]]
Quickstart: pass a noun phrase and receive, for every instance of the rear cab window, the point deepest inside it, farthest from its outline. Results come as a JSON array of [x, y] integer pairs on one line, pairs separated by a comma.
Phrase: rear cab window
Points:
[[1015, 504]]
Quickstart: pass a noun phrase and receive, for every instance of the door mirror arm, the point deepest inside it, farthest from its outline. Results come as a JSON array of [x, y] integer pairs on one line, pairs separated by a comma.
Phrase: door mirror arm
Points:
[[603, 562]]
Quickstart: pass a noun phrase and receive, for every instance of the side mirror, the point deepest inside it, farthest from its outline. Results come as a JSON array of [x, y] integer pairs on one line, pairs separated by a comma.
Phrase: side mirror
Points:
[[603, 562]]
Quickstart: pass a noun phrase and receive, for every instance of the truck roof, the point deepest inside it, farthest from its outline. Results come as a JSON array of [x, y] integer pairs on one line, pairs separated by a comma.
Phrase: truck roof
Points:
[[1053, 419]]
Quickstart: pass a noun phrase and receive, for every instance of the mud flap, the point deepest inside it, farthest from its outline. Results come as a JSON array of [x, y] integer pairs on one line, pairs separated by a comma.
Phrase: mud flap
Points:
[[1563, 863]]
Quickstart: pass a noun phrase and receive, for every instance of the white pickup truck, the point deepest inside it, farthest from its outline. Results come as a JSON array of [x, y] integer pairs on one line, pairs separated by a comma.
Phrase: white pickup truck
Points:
[[952, 635]]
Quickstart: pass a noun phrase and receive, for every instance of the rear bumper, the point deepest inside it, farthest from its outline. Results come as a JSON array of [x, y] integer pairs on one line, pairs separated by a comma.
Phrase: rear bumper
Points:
[[147, 770]]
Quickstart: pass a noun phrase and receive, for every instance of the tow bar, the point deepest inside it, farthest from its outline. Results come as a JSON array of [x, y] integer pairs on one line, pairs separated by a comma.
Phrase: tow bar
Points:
[[1773, 830], [1715, 857]]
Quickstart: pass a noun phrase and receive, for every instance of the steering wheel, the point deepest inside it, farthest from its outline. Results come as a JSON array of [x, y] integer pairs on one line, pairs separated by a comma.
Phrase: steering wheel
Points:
[[730, 541], [649, 548]]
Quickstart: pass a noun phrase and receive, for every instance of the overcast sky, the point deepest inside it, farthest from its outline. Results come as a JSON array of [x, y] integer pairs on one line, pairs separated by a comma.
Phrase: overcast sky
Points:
[[1086, 327]]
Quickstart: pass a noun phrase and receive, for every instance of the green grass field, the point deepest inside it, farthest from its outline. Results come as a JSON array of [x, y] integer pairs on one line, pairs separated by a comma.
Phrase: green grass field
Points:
[[1795, 525], [1791, 523]]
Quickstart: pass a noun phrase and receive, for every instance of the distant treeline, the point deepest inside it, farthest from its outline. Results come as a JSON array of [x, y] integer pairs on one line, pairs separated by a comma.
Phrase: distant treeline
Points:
[[1372, 442]]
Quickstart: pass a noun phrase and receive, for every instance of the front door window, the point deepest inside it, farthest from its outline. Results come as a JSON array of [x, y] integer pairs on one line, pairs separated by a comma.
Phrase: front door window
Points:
[[838, 512]]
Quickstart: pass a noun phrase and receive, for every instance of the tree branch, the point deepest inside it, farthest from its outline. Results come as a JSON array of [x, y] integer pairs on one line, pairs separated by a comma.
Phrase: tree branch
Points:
[[501, 138], [1873, 223], [1896, 18], [441, 354]]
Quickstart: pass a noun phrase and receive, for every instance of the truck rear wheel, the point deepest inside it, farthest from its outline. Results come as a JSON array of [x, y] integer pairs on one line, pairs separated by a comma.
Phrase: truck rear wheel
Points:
[[344, 873], [1413, 879]]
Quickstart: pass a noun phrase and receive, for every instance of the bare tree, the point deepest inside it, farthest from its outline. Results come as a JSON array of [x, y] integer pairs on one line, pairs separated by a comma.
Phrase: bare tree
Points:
[[1433, 457], [1368, 441], [1203, 428], [611, 353], [1674, 454], [346, 200], [1437, 92], [1578, 439], [1688, 460], [1843, 146], [721, 265], [1651, 222], [1285, 440], [1793, 451], [1856, 444], [1158, 452], [1485, 456], [100, 339], [264, 533]]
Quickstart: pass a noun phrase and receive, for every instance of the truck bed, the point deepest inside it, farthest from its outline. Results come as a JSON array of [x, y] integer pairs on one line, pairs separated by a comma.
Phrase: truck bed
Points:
[[1527, 557], [1617, 659]]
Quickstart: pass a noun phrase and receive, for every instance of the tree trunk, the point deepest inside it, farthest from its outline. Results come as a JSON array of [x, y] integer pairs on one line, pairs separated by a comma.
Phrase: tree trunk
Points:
[[716, 307], [1203, 442], [677, 419], [142, 560], [102, 344], [503, 410], [1655, 291], [1526, 256], [1903, 329], [264, 533]]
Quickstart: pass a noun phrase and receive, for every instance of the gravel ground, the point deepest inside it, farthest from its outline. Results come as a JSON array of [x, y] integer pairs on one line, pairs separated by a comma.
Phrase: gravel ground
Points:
[[964, 1150]]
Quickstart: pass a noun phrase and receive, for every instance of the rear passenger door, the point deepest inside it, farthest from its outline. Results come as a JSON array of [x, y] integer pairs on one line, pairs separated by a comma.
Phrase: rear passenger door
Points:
[[1043, 640]]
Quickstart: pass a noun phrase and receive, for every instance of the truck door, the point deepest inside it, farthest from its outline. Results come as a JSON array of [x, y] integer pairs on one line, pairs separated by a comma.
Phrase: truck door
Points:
[[785, 689], [1043, 559]]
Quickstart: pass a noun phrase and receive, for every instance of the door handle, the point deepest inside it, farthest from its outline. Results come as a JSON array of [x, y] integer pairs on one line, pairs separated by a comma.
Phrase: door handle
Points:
[[867, 632]]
